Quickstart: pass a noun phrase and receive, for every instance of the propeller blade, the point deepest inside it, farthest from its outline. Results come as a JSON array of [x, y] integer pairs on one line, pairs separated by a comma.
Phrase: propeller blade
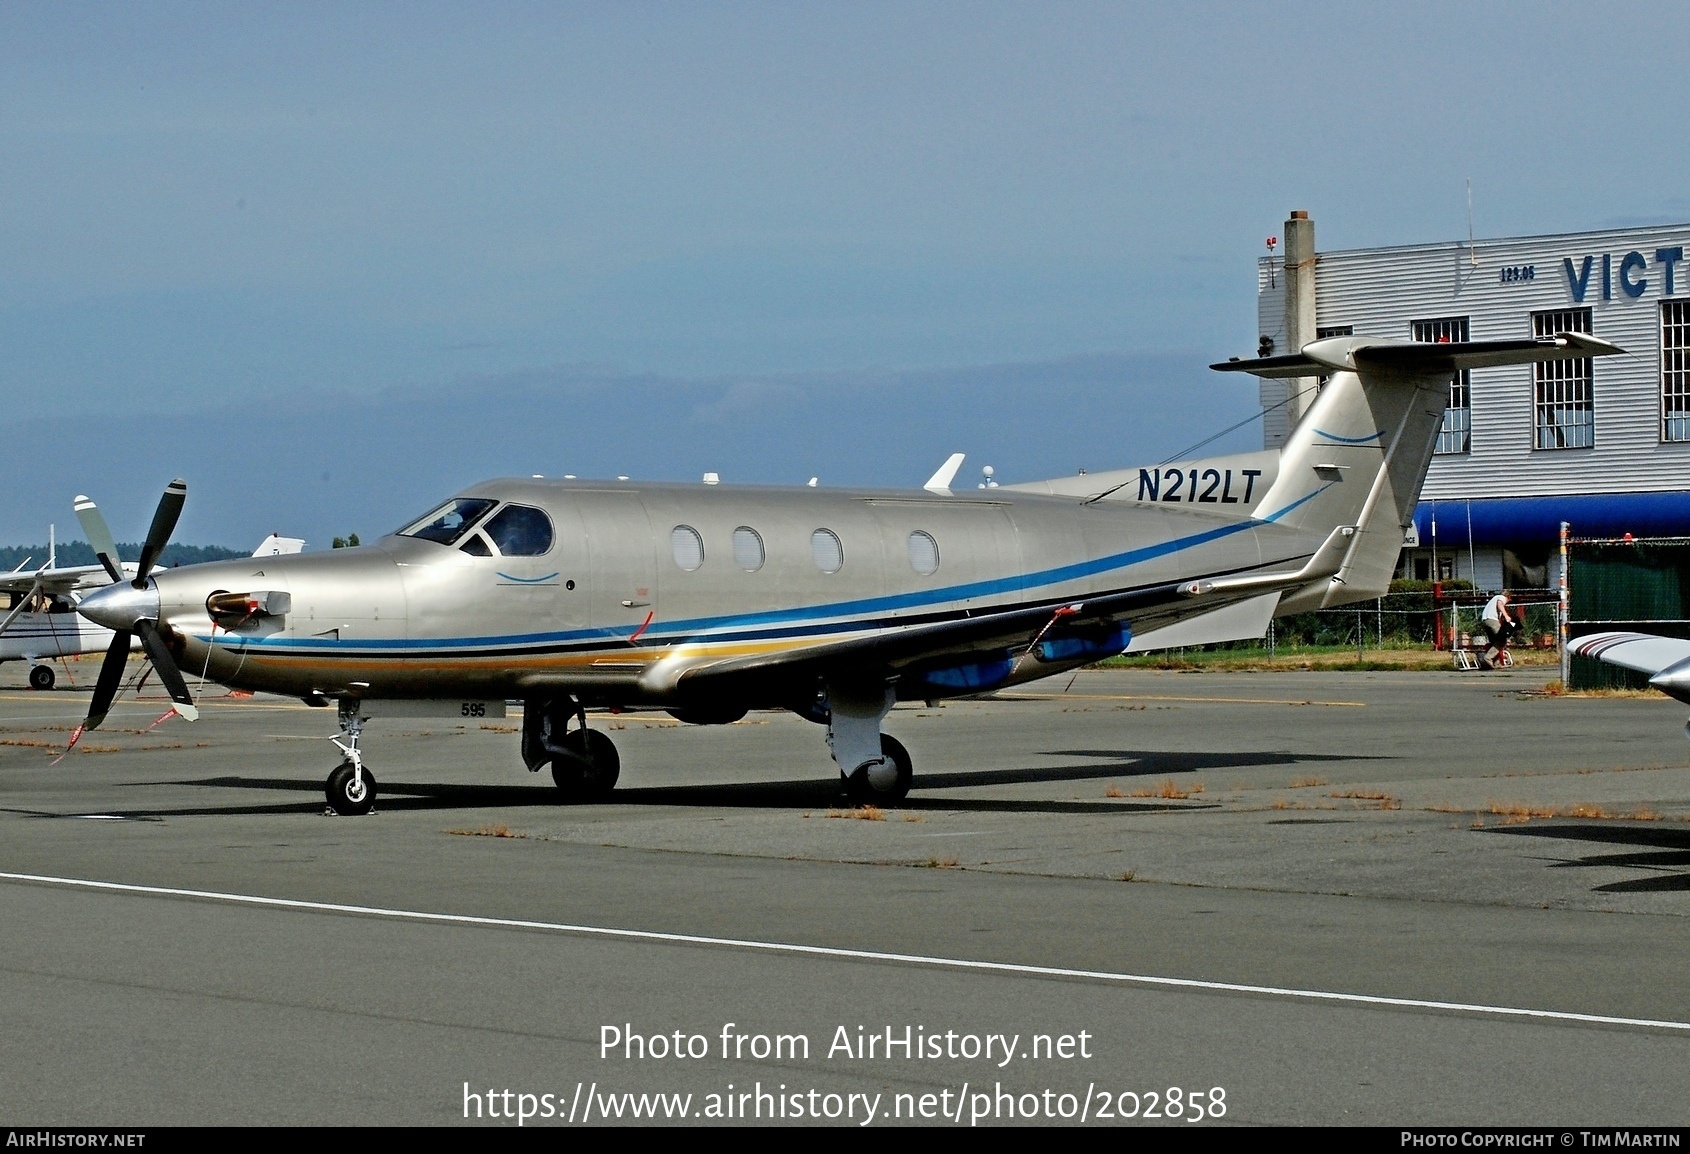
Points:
[[94, 525], [23, 603], [164, 524], [165, 665], [111, 676]]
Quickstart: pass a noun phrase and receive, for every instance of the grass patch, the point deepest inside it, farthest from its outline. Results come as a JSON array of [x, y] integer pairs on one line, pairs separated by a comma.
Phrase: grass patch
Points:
[[1362, 794], [1324, 657], [487, 831], [939, 863], [1168, 790], [860, 813], [1308, 782], [1518, 813]]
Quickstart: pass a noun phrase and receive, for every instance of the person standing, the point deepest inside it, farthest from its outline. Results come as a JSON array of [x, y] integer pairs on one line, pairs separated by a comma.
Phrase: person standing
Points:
[[1498, 623]]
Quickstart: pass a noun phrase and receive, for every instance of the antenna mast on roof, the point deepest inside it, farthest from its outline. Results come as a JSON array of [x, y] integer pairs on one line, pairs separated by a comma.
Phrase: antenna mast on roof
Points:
[[1472, 254]]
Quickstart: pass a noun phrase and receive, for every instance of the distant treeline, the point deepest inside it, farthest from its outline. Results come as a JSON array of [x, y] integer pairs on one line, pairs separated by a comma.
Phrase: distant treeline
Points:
[[80, 553]]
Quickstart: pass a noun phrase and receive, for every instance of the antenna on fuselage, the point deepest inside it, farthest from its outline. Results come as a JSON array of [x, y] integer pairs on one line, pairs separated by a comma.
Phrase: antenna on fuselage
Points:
[[940, 482]]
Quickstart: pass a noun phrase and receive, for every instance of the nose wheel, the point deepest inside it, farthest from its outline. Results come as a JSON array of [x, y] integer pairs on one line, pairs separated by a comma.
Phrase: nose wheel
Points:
[[351, 787], [351, 790]]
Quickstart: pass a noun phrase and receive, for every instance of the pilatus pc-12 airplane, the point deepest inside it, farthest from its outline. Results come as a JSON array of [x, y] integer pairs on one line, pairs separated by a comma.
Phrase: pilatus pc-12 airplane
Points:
[[709, 600]]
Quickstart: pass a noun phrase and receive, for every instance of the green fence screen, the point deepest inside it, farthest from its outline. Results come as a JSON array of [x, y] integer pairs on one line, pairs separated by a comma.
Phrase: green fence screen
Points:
[[1631, 585]]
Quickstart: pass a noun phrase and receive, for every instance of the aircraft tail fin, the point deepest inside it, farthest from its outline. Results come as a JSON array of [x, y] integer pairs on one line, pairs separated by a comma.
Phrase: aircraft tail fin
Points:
[[1359, 455]]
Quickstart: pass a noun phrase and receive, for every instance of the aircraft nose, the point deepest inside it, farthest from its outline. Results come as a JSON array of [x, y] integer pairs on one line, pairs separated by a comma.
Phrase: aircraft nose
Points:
[[120, 605]]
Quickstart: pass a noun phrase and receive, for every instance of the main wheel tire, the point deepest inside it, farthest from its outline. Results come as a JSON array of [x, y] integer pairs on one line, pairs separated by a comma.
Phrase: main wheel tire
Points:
[[41, 677], [590, 767], [890, 789], [346, 800]]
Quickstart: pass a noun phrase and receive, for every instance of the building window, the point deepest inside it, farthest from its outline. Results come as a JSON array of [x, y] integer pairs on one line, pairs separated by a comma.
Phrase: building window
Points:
[[1675, 370], [1565, 411], [1456, 436], [1322, 332]]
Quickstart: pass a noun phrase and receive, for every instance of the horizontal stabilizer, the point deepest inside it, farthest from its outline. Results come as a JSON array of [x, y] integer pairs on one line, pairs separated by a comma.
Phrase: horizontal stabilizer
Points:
[[1417, 358]]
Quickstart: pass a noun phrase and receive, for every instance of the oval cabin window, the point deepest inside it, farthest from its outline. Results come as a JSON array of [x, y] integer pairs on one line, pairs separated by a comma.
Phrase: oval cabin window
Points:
[[924, 553], [748, 549], [826, 549], [687, 546]]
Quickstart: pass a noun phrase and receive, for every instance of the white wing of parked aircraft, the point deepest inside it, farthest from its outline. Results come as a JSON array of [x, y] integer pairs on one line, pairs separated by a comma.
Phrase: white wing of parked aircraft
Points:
[[43, 623], [1665, 659]]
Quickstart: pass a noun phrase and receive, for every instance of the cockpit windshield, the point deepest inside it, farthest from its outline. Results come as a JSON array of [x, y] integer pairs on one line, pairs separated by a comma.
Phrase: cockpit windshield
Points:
[[449, 522]]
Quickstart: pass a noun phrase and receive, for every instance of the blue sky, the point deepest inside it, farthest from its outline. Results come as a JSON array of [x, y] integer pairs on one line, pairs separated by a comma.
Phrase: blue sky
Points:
[[261, 246]]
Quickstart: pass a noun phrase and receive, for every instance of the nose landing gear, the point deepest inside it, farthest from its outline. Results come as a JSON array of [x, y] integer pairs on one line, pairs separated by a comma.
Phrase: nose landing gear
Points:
[[351, 787]]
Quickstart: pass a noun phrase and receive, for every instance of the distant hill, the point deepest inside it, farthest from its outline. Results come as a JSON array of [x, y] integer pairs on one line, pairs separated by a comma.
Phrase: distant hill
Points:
[[81, 553]]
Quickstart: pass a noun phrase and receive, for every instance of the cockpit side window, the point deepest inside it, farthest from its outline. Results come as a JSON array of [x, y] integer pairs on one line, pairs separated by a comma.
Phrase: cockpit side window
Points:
[[449, 522], [521, 531]]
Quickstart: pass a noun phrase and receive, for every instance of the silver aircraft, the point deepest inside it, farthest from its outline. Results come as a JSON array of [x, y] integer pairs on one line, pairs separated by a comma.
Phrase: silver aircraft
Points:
[[709, 600]]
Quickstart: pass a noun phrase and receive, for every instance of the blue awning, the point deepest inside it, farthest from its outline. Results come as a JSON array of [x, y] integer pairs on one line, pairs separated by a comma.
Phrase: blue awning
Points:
[[1511, 520]]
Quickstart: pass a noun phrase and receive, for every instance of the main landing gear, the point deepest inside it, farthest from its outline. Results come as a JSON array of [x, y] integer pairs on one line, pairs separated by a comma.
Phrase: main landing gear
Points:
[[351, 787], [41, 677], [875, 767], [584, 761]]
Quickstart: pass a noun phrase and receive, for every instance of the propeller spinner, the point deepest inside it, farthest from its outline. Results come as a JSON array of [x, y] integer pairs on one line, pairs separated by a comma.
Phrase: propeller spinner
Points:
[[131, 607]]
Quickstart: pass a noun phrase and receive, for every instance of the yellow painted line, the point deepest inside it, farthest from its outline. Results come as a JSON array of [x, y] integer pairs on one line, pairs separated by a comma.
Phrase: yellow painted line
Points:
[[1158, 697]]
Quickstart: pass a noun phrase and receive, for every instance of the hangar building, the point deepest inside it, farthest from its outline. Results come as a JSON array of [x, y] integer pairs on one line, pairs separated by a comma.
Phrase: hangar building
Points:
[[1604, 447]]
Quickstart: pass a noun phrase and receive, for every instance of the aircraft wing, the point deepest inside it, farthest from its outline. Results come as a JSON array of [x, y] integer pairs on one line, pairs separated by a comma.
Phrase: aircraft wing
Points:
[[945, 642], [1665, 659], [951, 642], [56, 581]]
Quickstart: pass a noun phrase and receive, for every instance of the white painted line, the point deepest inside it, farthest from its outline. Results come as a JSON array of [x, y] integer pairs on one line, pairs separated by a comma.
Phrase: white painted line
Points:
[[853, 955]]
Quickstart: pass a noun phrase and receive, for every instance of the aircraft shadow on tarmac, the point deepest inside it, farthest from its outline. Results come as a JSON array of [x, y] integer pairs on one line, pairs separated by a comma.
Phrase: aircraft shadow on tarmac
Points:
[[1667, 853], [804, 793]]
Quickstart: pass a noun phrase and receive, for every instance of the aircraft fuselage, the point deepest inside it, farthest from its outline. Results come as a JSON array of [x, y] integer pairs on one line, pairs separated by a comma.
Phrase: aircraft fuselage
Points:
[[618, 605]]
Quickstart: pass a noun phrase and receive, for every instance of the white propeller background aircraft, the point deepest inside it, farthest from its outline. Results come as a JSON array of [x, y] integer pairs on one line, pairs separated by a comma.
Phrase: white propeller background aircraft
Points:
[[709, 600]]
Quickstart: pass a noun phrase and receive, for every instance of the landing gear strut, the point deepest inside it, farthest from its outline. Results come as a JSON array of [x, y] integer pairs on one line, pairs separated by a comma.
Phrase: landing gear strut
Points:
[[351, 787], [584, 761], [874, 767]]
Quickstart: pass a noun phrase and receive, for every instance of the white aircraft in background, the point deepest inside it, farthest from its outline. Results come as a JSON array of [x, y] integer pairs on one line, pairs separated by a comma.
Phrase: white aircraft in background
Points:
[[41, 620], [1665, 659]]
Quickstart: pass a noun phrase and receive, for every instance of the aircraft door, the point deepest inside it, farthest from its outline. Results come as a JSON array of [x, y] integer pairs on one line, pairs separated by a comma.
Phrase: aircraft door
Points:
[[623, 586], [540, 572]]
